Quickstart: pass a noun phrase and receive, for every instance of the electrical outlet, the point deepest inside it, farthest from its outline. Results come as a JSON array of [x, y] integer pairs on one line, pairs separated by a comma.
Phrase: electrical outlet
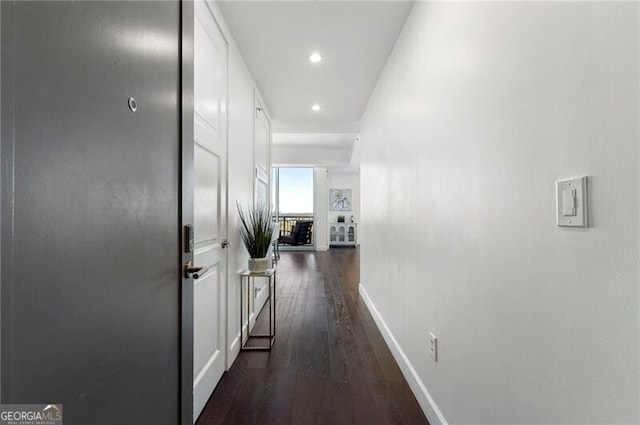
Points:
[[433, 346]]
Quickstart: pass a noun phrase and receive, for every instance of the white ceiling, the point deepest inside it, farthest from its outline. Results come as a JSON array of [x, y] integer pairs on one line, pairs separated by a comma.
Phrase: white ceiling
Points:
[[354, 38]]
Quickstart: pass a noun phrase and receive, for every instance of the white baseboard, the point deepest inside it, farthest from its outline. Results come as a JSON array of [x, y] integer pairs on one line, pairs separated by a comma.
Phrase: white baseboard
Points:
[[428, 405], [234, 347], [234, 350], [322, 248]]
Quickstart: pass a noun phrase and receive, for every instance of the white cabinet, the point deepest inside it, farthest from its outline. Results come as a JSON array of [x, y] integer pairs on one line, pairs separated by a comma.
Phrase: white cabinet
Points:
[[343, 234]]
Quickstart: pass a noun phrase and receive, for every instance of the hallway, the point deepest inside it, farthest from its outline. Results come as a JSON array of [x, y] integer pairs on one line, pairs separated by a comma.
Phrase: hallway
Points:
[[329, 364]]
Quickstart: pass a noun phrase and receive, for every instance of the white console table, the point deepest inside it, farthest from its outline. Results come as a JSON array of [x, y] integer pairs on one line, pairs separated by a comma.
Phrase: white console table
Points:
[[343, 234]]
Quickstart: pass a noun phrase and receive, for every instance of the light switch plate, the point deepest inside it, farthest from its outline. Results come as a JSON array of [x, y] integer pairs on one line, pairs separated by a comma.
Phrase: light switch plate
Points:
[[433, 346], [571, 202]]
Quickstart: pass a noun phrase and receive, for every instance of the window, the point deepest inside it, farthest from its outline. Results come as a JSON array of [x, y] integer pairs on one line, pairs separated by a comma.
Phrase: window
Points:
[[295, 191], [292, 196]]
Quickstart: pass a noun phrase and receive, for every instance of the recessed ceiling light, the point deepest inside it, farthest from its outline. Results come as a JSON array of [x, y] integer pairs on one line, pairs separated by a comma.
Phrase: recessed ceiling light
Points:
[[315, 57], [315, 107]]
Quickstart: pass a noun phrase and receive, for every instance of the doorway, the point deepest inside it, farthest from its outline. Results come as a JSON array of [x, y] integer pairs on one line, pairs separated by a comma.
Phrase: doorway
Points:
[[293, 200]]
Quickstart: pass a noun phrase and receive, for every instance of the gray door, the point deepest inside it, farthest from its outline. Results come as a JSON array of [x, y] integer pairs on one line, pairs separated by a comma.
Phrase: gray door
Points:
[[90, 209]]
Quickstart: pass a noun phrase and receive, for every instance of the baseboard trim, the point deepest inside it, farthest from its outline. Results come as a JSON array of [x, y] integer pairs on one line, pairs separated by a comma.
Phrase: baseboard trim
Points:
[[428, 405], [234, 350], [322, 248]]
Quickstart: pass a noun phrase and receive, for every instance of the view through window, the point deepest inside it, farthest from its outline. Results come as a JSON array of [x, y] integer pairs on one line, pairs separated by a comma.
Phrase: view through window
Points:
[[293, 197]]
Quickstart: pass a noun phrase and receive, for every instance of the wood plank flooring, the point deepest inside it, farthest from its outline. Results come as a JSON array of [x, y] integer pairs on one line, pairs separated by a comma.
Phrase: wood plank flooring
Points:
[[329, 364]]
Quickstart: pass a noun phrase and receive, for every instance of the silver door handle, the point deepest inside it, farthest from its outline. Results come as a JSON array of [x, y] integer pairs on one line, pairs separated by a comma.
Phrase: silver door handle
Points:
[[194, 272], [225, 244]]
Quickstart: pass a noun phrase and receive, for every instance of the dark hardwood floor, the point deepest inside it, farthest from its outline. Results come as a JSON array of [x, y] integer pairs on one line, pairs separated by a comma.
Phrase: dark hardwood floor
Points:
[[329, 364]]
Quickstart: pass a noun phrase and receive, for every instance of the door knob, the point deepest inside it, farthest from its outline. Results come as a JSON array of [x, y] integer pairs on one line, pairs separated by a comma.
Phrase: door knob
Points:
[[194, 272], [225, 244]]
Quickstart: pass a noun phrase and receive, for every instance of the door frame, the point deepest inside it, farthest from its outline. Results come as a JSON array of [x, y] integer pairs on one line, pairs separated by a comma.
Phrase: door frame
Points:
[[186, 209], [314, 189]]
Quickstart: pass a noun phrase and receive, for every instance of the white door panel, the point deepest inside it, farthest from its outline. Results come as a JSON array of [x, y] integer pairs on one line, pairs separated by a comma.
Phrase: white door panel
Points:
[[263, 158], [207, 71], [206, 205], [208, 136], [262, 145], [210, 195], [205, 331]]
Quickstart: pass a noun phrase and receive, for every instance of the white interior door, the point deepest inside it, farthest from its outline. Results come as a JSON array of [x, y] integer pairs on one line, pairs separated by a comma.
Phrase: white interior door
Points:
[[210, 209], [262, 149]]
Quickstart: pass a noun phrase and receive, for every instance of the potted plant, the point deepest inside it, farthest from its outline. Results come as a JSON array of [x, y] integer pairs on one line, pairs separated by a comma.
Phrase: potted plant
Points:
[[256, 230]]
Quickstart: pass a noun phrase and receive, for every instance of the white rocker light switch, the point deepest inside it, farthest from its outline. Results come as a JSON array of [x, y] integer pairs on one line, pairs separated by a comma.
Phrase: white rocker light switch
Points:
[[571, 197], [569, 202]]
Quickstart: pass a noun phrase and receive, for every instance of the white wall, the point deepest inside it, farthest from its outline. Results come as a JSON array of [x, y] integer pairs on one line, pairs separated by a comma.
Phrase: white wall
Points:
[[310, 156], [241, 113], [481, 107], [340, 179]]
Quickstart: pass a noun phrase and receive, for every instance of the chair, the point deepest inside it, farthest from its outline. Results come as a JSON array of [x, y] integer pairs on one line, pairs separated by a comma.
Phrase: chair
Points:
[[300, 234]]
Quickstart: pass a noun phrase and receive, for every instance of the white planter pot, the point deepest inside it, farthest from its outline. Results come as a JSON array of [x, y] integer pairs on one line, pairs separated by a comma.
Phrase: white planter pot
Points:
[[258, 265]]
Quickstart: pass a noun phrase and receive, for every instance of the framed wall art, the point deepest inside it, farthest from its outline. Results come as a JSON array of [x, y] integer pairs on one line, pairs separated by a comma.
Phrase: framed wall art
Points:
[[340, 199]]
